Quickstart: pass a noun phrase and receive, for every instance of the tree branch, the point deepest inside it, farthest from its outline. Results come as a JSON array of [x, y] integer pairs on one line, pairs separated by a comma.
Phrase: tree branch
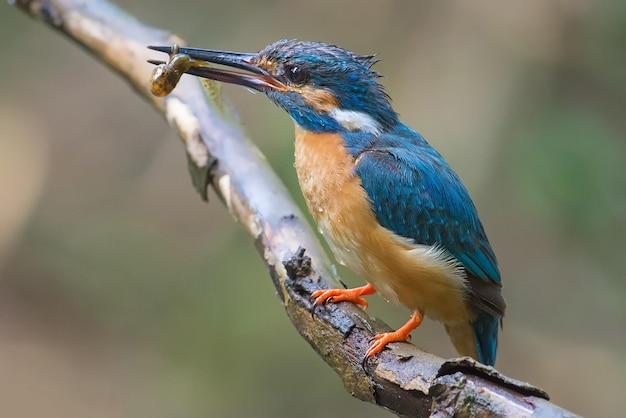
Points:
[[404, 379]]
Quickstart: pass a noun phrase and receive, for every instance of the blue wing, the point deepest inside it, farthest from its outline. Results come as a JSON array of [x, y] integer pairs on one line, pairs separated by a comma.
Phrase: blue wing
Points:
[[416, 194]]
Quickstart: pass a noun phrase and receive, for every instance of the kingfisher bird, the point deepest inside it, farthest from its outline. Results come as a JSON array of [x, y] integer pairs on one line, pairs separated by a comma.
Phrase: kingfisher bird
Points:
[[390, 207]]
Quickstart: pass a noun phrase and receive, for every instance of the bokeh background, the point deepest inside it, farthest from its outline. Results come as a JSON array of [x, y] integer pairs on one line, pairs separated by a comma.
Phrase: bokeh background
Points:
[[122, 294]]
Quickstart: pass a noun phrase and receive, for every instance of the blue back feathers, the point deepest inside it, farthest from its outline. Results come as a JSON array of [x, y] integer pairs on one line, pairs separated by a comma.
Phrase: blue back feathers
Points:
[[420, 197]]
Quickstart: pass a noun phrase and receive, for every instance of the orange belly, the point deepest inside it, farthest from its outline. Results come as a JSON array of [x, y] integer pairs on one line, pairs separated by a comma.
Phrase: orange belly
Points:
[[416, 276]]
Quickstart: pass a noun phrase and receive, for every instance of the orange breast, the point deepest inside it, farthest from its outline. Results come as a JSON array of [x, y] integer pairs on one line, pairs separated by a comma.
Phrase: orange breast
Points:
[[413, 275], [333, 193]]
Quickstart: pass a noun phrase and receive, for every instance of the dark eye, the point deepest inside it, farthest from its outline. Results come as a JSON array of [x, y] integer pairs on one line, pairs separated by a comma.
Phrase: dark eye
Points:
[[295, 74]]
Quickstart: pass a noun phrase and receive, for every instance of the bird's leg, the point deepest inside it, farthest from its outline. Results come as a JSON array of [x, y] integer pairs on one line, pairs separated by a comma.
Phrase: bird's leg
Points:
[[341, 295], [402, 334]]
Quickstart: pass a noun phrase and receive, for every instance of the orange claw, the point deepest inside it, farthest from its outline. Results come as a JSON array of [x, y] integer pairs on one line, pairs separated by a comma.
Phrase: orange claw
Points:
[[402, 334], [341, 295]]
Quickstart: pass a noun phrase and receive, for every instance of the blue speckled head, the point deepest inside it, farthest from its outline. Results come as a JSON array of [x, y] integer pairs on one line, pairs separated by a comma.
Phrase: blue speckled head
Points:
[[322, 78]]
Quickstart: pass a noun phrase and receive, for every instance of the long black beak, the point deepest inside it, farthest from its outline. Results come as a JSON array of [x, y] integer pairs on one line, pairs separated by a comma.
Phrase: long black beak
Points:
[[255, 77]]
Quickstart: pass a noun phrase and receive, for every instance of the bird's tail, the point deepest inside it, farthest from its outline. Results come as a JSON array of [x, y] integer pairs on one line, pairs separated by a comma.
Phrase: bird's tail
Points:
[[478, 339]]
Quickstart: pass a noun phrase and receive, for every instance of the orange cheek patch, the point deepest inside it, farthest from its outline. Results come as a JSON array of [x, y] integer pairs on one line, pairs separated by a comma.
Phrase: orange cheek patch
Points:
[[319, 99], [267, 64]]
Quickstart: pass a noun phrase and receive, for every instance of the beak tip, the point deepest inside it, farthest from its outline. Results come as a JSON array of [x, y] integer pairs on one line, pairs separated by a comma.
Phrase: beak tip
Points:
[[166, 49]]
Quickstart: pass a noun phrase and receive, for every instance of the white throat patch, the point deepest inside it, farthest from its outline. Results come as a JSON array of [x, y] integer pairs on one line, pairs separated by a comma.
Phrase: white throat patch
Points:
[[355, 121]]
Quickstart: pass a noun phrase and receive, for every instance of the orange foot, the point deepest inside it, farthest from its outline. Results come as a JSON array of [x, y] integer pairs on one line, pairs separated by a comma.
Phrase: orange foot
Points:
[[402, 334], [340, 295]]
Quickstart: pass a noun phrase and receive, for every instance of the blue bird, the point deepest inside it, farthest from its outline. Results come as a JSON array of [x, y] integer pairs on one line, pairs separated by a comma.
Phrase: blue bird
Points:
[[389, 205]]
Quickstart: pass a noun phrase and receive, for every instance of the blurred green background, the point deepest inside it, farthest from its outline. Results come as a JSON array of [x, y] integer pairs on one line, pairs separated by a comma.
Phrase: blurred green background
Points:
[[123, 294]]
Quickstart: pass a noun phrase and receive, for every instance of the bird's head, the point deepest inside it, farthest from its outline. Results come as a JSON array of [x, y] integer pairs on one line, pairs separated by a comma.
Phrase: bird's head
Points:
[[324, 88]]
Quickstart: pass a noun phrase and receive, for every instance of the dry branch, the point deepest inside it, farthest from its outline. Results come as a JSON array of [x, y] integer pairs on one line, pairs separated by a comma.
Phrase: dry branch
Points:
[[404, 379]]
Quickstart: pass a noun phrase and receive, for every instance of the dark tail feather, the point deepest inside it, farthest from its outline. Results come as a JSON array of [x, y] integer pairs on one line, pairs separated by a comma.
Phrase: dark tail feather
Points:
[[486, 334]]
